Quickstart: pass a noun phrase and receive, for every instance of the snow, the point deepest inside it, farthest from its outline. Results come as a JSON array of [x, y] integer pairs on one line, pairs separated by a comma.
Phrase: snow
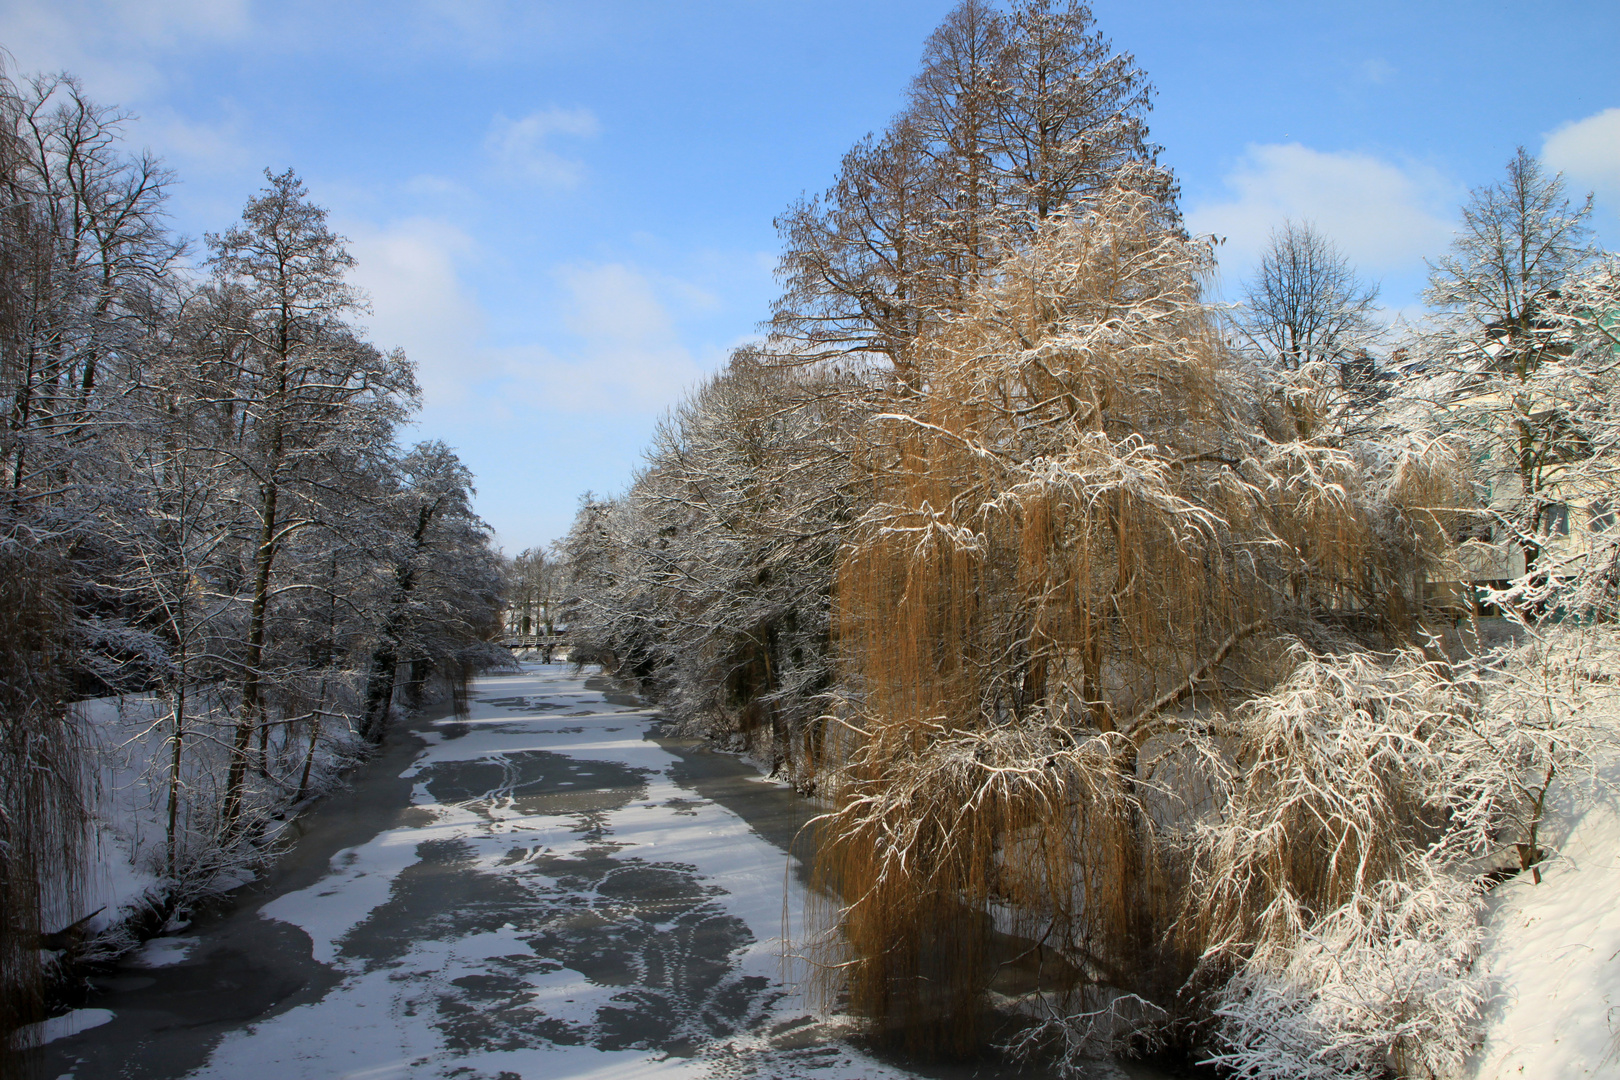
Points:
[[124, 819], [126, 796], [60, 1027], [1553, 953], [162, 952]]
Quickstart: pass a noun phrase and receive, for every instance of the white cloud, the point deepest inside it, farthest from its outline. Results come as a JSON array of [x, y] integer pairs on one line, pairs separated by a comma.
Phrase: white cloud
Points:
[[419, 303], [112, 44], [164, 22], [194, 144], [1588, 152], [1376, 71], [630, 356], [520, 147], [627, 357], [1385, 217]]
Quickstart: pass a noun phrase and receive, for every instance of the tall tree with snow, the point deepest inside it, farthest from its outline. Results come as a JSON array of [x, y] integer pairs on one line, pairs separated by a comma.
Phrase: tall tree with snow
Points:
[[1500, 355], [309, 394]]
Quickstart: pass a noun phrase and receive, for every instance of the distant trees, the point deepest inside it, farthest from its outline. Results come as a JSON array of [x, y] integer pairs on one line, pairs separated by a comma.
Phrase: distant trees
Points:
[[710, 580], [534, 592], [439, 607], [1304, 305]]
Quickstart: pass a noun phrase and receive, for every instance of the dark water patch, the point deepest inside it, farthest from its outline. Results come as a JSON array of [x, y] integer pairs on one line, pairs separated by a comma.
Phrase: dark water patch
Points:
[[612, 693], [440, 897], [774, 812], [529, 777], [493, 1012]]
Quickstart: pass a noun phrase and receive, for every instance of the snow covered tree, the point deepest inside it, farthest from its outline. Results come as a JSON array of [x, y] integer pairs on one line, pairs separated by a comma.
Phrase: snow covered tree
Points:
[[81, 252], [722, 555], [1076, 534], [202, 500], [1501, 353], [98, 254], [1578, 392], [440, 605], [306, 393]]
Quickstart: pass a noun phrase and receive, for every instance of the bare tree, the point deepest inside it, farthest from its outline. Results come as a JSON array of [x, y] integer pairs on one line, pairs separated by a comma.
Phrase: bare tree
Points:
[[1013, 117], [1070, 111], [1305, 305], [710, 580], [853, 262], [80, 249], [1521, 238]]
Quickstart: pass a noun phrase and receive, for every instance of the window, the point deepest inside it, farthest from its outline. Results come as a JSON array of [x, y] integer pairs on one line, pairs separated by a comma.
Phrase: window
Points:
[[1602, 516], [1555, 516]]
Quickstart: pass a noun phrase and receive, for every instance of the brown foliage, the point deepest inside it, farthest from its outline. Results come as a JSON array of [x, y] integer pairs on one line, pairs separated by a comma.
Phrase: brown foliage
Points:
[[42, 823], [1076, 527]]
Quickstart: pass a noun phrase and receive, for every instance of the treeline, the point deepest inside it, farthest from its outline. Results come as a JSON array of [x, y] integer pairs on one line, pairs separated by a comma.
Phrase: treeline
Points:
[[204, 501], [1151, 632]]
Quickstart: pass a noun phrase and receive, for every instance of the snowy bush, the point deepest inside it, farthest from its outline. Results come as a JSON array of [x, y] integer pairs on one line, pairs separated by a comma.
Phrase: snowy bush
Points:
[[1342, 886], [1383, 984], [1549, 712], [1325, 887]]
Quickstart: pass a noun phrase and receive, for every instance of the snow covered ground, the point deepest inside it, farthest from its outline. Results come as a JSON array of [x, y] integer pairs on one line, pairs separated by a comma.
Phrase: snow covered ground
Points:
[[127, 799], [126, 823], [1553, 956]]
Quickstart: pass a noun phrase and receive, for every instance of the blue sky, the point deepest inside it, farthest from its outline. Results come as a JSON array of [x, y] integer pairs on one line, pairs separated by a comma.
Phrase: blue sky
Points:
[[563, 210]]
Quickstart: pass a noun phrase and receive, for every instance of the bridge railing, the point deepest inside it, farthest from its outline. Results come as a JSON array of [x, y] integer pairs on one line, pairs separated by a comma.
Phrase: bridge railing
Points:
[[533, 641]]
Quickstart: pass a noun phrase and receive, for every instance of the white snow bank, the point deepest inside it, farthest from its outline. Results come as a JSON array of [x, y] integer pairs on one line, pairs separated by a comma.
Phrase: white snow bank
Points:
[[163, 952], [118, 878], [1553, 951], [60, 1027]]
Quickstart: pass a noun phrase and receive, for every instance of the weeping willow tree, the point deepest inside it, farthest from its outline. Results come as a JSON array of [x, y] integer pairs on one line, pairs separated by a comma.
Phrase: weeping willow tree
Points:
[[42, 821], [1082, 544]]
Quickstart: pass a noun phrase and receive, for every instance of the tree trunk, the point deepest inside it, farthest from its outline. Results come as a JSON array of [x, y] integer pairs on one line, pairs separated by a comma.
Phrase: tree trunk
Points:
[[385, 657], [252, 683]]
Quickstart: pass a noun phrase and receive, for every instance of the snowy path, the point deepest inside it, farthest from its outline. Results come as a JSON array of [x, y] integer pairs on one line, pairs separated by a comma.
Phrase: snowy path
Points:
[[561, 897]]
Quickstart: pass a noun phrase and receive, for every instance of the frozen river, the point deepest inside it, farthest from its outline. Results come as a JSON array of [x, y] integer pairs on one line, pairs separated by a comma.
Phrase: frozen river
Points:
[[537, 889]]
